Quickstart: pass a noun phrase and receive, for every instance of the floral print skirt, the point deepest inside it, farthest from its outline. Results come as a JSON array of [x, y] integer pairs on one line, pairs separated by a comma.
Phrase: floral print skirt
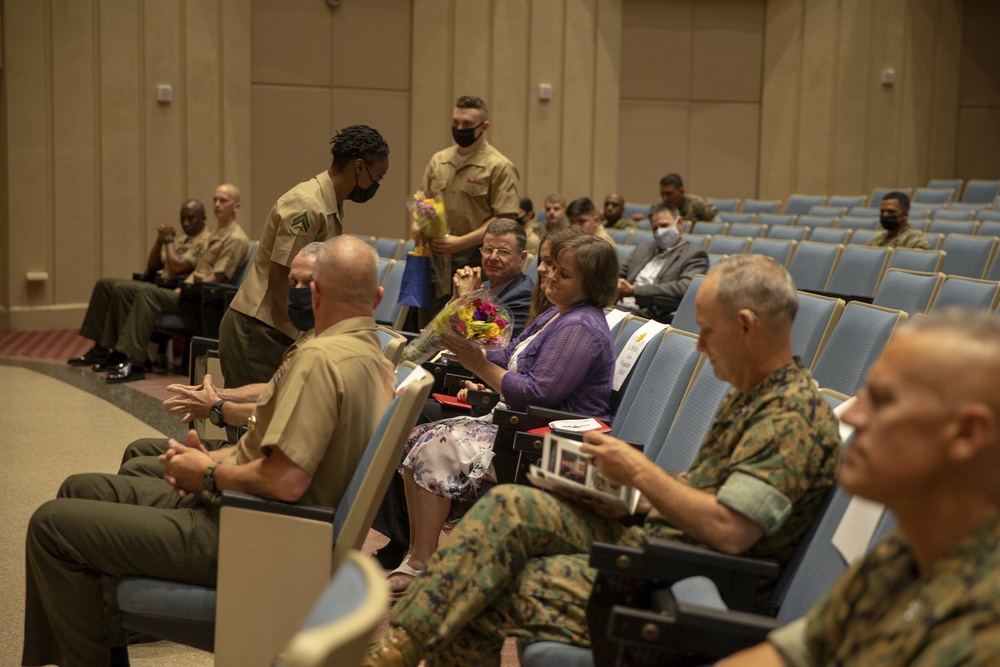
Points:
[[450, 457]]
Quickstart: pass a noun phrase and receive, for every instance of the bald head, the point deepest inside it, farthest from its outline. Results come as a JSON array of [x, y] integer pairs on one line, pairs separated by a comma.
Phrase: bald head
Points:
[[346, 281], [192, 217]]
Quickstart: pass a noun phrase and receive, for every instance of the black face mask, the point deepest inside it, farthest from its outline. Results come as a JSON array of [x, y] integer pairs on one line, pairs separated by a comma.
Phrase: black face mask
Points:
[[359, 196], [465, 137], [889, 222], [300, 308]]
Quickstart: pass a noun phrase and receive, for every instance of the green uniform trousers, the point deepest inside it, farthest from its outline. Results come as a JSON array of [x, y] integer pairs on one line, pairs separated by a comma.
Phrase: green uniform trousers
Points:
[[133, 338], [141, 457], [249, 350], [110, 303], [515, 566], [106, 525]]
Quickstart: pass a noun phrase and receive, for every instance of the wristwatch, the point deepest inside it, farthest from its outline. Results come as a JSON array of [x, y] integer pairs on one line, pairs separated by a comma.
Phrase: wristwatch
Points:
[[215, 413], [209, 481]]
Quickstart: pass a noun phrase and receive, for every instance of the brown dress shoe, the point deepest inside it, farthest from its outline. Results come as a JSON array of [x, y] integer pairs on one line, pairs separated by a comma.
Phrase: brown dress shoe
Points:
[[396, 648]]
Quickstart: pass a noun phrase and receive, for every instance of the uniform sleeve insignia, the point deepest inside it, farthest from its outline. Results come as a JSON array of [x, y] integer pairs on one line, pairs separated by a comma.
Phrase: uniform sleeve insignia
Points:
[[300, 225]]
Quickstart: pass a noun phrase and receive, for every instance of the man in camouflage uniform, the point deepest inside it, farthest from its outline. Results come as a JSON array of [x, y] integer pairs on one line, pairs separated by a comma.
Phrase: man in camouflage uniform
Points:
[[896, 231], [614, 213], [927, 445], [516, 565], [692, 207]]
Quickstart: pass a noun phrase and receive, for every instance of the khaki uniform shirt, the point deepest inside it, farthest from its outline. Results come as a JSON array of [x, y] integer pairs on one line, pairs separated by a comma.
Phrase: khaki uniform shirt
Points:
[[227, 251], [883, 613], [771, 455], [908, 238], [697, 209], [602, 233], [306, 213], [474, 187], [321, 407], [189, 248]]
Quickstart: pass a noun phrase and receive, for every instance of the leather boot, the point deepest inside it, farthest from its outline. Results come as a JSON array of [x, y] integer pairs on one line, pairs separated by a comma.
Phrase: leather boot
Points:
[[396, 648]]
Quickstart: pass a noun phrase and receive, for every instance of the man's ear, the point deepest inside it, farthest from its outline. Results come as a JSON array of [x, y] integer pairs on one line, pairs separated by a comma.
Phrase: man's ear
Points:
[[486, 125], [314, 290], [975, 430], [748, 319], [379, 293]]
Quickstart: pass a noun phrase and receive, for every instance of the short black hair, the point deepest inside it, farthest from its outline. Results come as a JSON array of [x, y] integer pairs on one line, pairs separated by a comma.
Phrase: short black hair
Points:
[[358, 141], [901, 197], [672, 179], [525, 204], [581, 206]]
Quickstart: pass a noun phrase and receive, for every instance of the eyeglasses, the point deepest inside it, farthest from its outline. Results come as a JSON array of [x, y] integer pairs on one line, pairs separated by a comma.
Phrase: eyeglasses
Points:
[[504, 253]]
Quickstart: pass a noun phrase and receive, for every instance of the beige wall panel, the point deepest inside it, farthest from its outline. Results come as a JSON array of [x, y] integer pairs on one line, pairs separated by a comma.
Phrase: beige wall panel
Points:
[[545, 120], [850, 100], [656, 49], [297, 153], [944, 102], [723, 156], [431, 99], [371, 45], [512, 93], [472, 47], [891, 22], [164, 138], [387, 111], [120, 232], [978, 143], [203, 56], [819, 71], [980, 73], [291, 42], [607, 84], [578, 110], [235, 111], [916, 92], [27, 48], [658, 147], [779, 100], [726, 50], [74, 125]]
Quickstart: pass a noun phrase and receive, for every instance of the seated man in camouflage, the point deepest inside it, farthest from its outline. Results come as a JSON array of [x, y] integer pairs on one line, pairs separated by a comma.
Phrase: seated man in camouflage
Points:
[[516, 565], [927, 445], [896, 230]]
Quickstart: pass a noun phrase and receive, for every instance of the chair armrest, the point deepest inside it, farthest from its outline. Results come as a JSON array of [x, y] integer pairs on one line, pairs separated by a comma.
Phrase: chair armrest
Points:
[[440, 369], [257, 503], [737, 577], [482, 402], [689, 630]]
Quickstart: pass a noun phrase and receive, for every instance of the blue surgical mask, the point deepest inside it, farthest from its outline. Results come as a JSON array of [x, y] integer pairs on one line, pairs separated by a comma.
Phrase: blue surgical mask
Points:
[[300, 308]]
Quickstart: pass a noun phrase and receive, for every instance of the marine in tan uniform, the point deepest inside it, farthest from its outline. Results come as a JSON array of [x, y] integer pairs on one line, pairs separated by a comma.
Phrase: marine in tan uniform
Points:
[[256, 330], [314, 419], [172, 256], [927, 446], [761, 475], [227, 251], [896, 230], [478, 185]]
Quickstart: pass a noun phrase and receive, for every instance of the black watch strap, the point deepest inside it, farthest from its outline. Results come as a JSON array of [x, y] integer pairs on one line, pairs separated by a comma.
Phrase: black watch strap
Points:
[[215, 413]]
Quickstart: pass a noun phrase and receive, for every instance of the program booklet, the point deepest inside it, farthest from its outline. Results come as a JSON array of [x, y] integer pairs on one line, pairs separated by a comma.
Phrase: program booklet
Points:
[[564, 468]]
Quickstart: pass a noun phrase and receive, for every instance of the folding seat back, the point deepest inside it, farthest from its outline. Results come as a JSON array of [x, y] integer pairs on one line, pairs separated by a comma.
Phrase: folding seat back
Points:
[[812, 265], [814, 322], [801, 204], [780, 250], [966, 293], [858, 271], [908, 291], [967, 255], [858, 339]]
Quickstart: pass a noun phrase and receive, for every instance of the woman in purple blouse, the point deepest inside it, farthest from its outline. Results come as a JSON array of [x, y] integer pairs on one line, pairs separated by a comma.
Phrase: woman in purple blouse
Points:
[[564, 360]]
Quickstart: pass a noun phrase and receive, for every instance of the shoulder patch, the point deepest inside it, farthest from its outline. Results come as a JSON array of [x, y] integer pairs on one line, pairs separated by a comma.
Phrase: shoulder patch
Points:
[[300, 225]]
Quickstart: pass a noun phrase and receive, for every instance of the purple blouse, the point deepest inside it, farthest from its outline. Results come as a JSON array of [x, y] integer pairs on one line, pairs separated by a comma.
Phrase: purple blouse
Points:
[[568, 366]]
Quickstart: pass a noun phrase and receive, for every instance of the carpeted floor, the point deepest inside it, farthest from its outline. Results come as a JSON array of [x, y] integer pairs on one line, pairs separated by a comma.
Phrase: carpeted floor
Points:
[[57, 420]]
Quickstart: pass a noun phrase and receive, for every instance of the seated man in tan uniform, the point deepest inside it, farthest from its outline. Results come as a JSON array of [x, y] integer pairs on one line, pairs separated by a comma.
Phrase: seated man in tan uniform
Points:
[[313, 421]]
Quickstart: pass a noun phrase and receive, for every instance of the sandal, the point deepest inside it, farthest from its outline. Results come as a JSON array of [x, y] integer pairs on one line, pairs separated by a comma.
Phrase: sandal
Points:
[[404, 570]]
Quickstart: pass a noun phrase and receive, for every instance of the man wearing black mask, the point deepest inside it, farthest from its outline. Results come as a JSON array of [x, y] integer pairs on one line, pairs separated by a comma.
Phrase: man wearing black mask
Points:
[[896, 231], [478, 185], [256, 330]]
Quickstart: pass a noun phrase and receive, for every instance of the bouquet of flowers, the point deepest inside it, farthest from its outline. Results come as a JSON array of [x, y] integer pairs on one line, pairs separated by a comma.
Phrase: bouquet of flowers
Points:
[[477, 317], [428, 213]]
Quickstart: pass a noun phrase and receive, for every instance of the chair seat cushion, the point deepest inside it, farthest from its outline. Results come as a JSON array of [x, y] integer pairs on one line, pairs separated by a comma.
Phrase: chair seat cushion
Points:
[[170, 599]]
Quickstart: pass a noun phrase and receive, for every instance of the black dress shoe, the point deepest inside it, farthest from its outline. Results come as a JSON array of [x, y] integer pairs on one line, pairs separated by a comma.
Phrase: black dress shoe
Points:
[[391, 555], [127, 372], [93, 355], [110, 363]]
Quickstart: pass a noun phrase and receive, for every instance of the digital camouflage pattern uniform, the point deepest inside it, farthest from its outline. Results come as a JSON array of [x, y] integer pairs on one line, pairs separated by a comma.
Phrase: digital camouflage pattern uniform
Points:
[[621, 223], [516, 565], [697, 209], [882, 613], [908, 238]]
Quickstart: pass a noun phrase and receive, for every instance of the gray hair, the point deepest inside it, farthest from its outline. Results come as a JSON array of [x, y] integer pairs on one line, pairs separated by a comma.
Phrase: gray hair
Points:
[[971, 323], [756, 282], [311, 250], [504, 226]]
